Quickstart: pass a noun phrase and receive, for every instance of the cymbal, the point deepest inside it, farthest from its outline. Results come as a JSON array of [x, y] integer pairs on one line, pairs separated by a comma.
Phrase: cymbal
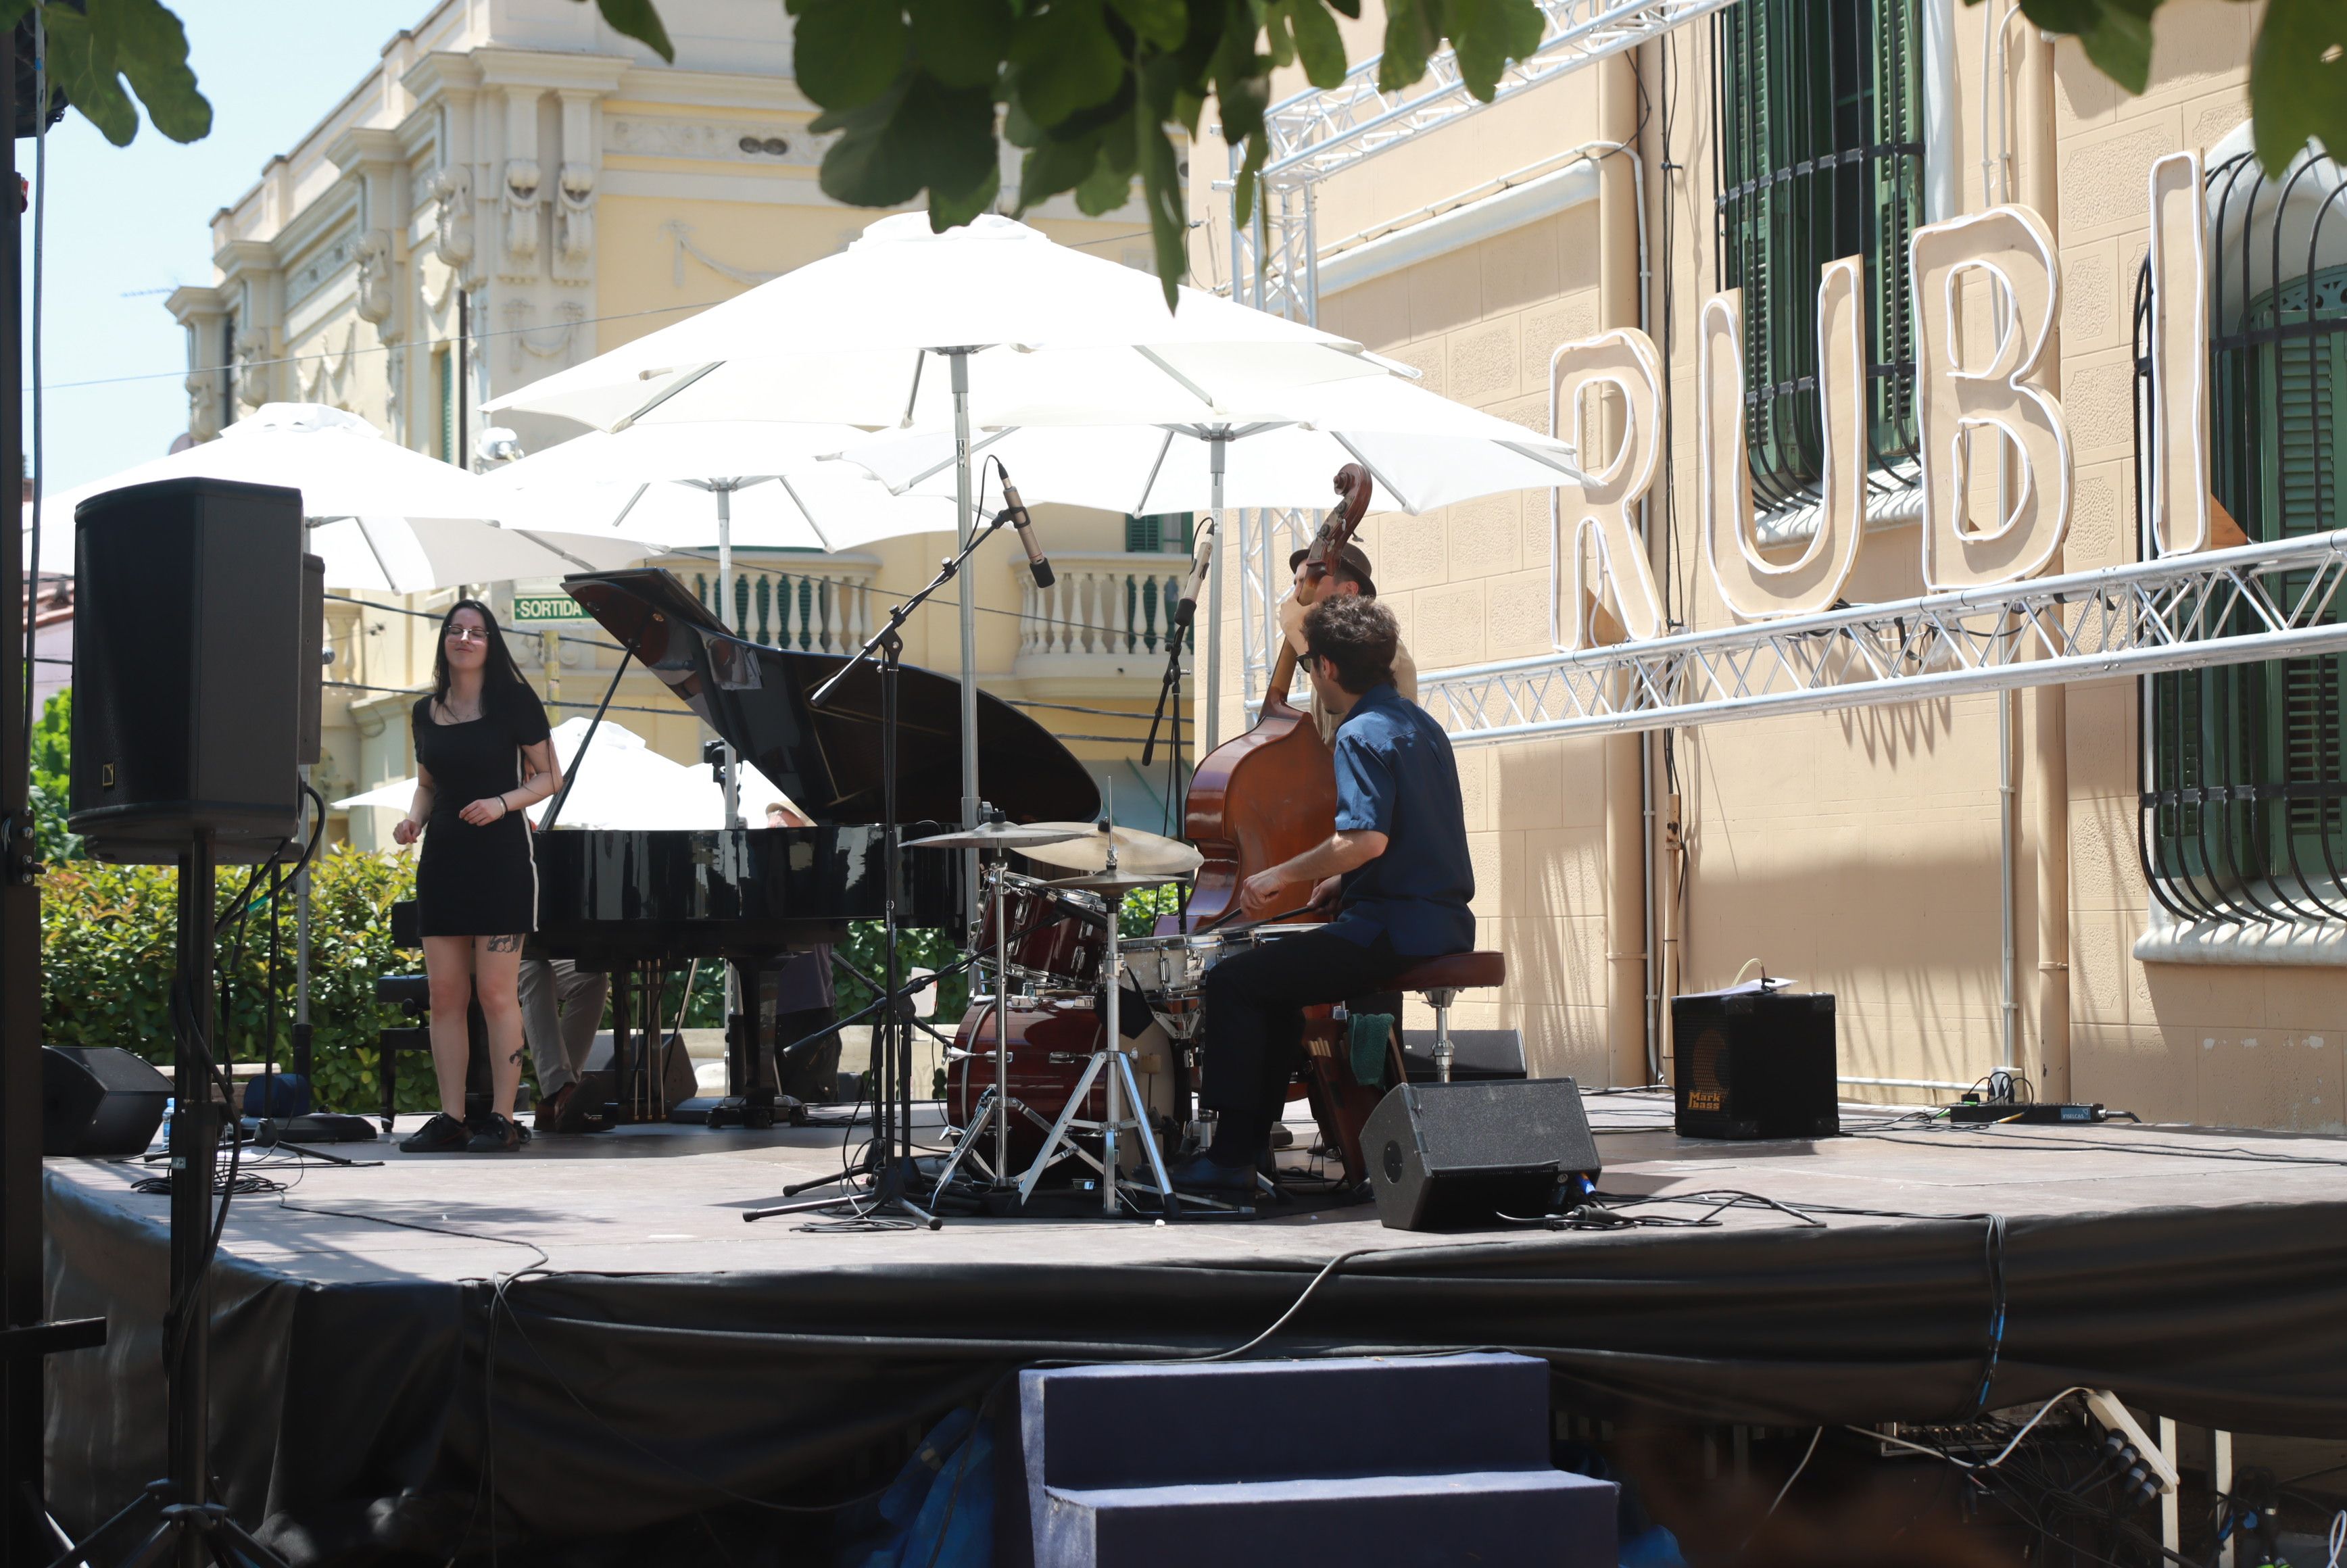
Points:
[[1120, 881], [1084, 846], [1024, 838]]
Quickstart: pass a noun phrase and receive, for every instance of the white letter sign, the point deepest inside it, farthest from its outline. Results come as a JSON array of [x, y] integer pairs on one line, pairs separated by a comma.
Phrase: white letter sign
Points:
[[1592, 516], [2011, 246], [1753, 586], [2179, 356]]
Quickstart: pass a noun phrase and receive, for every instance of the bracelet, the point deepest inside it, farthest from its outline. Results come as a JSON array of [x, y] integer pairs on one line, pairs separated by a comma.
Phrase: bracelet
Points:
[[505, 808]]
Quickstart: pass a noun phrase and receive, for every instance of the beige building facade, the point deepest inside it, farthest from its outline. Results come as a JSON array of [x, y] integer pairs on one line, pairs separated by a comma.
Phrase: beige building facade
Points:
[[1866, 852], [514, 189]]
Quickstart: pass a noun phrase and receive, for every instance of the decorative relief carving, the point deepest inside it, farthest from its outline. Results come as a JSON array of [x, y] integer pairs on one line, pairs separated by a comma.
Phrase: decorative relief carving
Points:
[[373, 251], [681, 232], [645, 135], [568, 315], [519, 200], [204, 404], [574, 222], [452, 198], [312, 274], [328, 377], [252, 357]]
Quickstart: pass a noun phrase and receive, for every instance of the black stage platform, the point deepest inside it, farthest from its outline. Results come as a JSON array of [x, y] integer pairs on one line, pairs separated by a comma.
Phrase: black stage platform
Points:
[[650, 1356]]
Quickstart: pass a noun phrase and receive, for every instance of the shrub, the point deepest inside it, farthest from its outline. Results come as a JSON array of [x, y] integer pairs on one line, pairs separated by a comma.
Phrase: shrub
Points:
[[106, 962]]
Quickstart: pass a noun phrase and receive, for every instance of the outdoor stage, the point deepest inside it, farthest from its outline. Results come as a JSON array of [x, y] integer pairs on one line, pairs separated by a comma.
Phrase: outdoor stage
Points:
[[658, 1356]]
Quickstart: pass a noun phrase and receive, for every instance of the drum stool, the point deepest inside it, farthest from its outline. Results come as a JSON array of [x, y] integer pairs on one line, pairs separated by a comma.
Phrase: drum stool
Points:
[[1440, 981]]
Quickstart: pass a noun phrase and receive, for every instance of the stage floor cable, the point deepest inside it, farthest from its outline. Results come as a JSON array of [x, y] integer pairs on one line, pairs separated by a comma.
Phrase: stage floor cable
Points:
[[652, 1355]]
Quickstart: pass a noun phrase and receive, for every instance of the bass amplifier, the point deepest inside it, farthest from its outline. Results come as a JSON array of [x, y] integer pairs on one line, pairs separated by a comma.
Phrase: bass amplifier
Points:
[[1755, 1064]]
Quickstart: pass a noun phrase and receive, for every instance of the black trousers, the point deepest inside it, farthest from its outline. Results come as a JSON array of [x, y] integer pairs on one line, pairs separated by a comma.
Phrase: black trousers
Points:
[[1255, 1013]]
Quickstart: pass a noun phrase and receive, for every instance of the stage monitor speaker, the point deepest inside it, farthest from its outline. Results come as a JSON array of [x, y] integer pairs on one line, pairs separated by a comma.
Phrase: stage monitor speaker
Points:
[[188, 668], [98, 1102], [314, 656], [1443, 1157], [1755, 1064]]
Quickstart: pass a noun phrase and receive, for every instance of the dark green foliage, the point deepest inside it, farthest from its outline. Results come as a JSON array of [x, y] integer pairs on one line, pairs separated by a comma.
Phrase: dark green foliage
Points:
[[107, 965], [52, 770]]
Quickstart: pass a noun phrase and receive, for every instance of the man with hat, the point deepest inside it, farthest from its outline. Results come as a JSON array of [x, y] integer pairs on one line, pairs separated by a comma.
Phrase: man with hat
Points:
[[1348, 574]]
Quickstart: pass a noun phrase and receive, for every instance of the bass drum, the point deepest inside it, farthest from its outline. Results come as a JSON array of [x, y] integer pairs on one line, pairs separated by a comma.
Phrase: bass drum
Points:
[[1051, 1044]]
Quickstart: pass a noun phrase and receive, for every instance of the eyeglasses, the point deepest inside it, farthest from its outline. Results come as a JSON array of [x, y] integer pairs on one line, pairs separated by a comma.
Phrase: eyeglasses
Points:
[[468, 634]]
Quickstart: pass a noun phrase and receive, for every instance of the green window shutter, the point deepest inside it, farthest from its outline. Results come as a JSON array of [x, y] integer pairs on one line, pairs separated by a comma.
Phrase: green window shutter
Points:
[[445, 365], [1817, 121]]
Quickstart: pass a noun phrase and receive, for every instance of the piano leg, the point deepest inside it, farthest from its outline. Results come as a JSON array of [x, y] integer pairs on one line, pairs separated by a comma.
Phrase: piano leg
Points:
[[750, 1098]]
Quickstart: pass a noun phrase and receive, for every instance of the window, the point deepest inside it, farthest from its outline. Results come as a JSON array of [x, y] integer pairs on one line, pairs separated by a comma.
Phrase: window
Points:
[[2244, 805], [1819, 155], [1157, 533]]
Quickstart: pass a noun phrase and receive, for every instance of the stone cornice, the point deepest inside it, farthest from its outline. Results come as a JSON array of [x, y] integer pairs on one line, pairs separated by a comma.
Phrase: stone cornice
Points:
[[441, 74], [656, 85], [190, 300], [245, 257], [365, 144], [501, 67]]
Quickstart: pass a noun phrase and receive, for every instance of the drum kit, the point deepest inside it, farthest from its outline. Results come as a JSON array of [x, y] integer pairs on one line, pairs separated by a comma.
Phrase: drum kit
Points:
[[1044, 1070]]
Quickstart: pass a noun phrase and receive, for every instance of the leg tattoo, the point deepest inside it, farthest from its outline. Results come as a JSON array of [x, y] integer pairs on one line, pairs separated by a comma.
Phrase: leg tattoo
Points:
[[504, 944]]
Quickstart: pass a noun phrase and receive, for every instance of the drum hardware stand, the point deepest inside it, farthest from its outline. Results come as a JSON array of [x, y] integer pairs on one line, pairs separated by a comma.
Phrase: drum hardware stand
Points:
[[1117, 1063], [890, 1163], [996, 1101]]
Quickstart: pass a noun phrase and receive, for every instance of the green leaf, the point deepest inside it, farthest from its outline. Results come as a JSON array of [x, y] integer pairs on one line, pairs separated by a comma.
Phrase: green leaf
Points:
[[847, 52], [81, 58], [151, 48], [1055, 165], [1318, 43], [960, 42], [1163, 23], [918, 135], [1105, 189], [640, 20], [1248, 188], [1410, 39], [1169, 215], [2298, 81], [952, 212], [1242, 77], [1487, 34], [1065, 59]]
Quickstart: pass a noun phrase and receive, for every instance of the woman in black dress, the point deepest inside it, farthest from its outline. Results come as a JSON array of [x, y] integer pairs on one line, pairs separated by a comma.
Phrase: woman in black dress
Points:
[[483, 757]]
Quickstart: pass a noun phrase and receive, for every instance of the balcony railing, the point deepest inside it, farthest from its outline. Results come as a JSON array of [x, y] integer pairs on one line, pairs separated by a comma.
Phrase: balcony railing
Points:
[[820, 604], [1099, 607]]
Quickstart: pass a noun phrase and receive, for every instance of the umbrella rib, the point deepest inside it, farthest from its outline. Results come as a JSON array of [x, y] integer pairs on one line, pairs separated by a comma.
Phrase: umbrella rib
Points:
[[542, 542], [920, 358], [808, 512], [632, 504], [665, 394], [1141, 510], [1390, 487], [1154, 357], [1545, 459], [941, 466], [366, 533]]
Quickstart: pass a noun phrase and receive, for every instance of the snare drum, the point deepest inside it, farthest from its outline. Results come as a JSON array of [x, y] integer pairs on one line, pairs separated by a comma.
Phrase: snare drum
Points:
[[1171, 971], [1057, 938]]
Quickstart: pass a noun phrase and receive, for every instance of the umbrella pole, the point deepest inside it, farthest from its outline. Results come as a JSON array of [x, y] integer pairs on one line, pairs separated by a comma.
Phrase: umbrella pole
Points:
[[966, 592], [1210, 694], [724, 608]]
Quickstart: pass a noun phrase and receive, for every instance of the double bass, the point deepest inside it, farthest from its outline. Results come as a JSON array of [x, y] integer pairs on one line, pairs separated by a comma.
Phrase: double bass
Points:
[[1266, 796]]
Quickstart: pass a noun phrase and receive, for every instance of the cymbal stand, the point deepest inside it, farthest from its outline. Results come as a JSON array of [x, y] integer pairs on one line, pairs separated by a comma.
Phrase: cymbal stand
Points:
[[997, 1101], [1127, 1107], [889, 1167]]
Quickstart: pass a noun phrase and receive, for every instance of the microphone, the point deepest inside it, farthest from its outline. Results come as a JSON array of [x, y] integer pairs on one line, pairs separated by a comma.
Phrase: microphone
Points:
[[1016, 510], [1201, 562]]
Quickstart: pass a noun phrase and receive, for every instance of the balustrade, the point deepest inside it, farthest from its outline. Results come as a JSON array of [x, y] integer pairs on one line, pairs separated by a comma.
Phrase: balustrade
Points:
[[823, 605], [1117, 606]]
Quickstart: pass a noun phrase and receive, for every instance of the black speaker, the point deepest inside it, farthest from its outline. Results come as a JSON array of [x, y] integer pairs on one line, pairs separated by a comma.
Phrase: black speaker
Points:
[[188, 669], [97, 1101], [1755, 1064], [311, 689], [1446, 1156]]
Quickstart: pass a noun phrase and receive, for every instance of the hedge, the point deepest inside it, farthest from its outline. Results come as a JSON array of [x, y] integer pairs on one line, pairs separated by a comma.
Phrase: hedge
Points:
[[107, 961]]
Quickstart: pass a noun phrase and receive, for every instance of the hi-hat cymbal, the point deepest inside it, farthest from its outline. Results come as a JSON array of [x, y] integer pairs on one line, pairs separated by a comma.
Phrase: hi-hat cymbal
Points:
[[1023, 838], [1119, 881], [1086, 845]]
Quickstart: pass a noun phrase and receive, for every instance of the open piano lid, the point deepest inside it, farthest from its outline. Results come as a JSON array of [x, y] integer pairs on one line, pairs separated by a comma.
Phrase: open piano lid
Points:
[[829, 759]]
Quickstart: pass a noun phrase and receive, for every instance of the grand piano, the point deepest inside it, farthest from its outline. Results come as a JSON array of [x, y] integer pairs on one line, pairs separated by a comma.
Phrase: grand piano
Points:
[[643, 905]]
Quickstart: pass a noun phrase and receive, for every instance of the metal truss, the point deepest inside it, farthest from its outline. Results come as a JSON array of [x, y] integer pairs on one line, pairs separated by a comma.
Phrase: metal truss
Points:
[[2222, 607], [1266, 539]]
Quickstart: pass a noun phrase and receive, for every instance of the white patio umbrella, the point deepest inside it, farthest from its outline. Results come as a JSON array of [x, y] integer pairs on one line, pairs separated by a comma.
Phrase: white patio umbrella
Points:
[[622, 784], [756, 482], [1029, 333], [1422, 450], [383, 518]]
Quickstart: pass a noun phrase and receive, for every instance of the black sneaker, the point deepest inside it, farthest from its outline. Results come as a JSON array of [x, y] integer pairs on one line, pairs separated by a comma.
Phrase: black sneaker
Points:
[[444, 1135], [498, 1135]]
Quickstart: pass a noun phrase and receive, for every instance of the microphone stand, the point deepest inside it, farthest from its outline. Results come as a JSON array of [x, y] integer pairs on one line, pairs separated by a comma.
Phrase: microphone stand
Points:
[[888, 1163], [1169, 696]]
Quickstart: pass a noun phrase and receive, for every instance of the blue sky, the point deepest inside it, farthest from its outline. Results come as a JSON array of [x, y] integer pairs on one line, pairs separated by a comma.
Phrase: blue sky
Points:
[[126, 225]]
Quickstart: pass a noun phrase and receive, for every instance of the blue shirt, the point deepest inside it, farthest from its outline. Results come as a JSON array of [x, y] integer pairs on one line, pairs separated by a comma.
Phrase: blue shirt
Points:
[[1396, 775]]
